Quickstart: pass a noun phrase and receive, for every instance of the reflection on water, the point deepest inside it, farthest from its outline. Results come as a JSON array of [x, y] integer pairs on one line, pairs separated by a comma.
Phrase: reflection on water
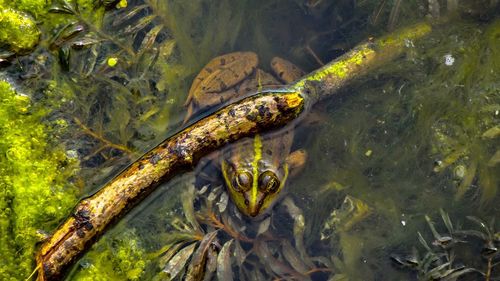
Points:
[[402, 175]]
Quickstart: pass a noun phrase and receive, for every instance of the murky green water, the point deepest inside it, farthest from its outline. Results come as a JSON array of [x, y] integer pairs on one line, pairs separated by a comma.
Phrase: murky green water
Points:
[[406, 154]]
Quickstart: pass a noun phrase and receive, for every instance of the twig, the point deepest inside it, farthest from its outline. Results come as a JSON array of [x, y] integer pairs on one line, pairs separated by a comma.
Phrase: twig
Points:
[[313, 54], [98, 137], [215, 222]]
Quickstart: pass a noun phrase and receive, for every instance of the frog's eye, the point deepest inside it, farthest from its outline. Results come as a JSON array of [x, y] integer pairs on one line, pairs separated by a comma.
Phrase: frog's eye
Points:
[[242, 181], [269, 182]]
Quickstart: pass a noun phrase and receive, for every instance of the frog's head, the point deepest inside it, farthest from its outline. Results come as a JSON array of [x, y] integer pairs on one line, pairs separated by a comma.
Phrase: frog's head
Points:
[[254, 175], [254, 191]]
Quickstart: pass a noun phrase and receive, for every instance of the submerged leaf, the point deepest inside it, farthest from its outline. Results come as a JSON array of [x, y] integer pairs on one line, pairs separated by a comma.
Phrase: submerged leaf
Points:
[[495, 159], [211, 264], [68, 32], [239, 254], [264, 226], [298, 227], [268, 259], [223, 201], [491, 133], [150, 38], [142, 23], [64, 55], [467, 180], [423, 242], [84, 42], [122, 18], [293, 257], [167, 48], [168, 252], [196, 268], [224, 270], [177, 263], [436, 234], [63, 7], [447, 221], [187, 199], [454, 274]]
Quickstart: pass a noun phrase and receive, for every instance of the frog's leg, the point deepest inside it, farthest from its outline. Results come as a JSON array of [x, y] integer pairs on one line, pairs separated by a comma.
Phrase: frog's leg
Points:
[[296, 161], [189, 113], [207, 100], [209, 168], [286, 71]]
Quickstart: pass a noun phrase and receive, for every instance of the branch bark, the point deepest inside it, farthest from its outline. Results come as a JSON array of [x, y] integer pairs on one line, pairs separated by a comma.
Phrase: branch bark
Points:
[[261, 112]]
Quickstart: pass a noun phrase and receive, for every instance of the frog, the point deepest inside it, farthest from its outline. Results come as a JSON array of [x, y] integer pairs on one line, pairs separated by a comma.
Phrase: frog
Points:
[[254, 170]]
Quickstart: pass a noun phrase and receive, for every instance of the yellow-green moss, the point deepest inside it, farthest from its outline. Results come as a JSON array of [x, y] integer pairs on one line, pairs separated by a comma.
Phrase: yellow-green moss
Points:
[[34, 7], [348, 64], [17, 30], [34, 189], [339, 68]]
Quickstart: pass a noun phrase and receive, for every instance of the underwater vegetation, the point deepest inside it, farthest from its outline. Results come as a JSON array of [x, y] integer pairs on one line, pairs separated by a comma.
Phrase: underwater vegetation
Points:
[[468, 254], [119, 258], [18, 31], [29, 203], [90, 85]]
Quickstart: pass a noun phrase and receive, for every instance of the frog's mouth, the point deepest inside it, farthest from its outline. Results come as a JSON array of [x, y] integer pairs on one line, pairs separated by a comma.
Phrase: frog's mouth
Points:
[[260, 208], [254, 207]]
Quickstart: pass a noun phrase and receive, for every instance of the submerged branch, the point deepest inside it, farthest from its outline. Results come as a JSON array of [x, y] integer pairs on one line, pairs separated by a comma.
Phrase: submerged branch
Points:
[[98, 137], [261, 112]]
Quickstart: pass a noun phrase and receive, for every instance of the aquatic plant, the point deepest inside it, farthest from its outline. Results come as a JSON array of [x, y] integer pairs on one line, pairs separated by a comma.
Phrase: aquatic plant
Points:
[[120, 257], [464, 142], [454, 254], [35, 191], [212, 239], [18, 31]]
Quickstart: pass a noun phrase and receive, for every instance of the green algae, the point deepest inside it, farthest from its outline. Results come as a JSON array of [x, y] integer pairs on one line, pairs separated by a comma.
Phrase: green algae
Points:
[[35, 191], [116, 257], [412, 116], [36, 8], [18, 31]]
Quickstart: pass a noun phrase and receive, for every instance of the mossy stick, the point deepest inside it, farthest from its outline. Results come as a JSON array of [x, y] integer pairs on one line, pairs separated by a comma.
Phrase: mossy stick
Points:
[[261, 112], [328, 79]]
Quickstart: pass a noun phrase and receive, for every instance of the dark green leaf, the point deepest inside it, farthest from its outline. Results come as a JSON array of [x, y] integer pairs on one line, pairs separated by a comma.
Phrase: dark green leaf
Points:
[[447, 221], [142, 23], [452, 276], [432, 227], [122, 18], [150, 38], [86, 41], [187, 199], [108, 4], [64, 55], [423, 242], [481, 224], [66, 33], [476, 233], [63, 7]]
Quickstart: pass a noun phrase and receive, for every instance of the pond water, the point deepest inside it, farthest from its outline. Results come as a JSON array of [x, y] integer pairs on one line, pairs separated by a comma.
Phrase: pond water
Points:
[[403, 164]]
